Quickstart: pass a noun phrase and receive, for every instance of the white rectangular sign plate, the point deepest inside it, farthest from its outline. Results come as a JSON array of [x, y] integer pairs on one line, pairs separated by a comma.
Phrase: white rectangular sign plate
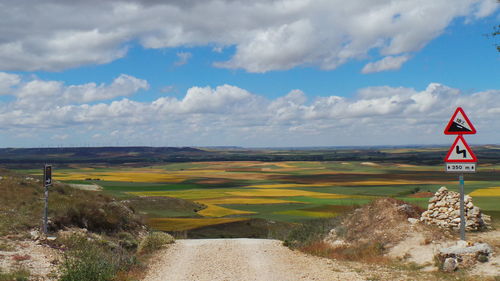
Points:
[[460, 167]]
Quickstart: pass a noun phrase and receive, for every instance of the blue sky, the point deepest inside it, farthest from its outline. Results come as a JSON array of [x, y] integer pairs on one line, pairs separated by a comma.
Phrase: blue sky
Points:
[[268, 73]]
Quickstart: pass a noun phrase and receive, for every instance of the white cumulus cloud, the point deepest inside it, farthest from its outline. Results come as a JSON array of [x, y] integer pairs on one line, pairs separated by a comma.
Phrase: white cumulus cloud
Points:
[[40, 93], [387, 63], [230, 115], [267, 35]]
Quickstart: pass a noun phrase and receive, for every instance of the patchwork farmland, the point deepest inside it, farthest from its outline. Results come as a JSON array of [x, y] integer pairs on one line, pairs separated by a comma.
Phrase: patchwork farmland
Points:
[[286, 192]]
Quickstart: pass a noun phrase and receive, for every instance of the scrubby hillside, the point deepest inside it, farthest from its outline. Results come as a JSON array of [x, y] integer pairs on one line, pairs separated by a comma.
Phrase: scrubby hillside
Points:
[[21, 206], [93, 236]]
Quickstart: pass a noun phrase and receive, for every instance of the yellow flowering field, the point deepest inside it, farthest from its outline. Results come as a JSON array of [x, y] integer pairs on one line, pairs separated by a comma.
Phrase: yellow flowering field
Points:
[[191, 194], [124, 176], [269, 192], [181, 224], [245, 200], [217, 211], [486, 192]]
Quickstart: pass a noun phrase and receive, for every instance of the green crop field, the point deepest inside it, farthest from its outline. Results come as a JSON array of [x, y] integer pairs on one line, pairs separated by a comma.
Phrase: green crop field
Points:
[[287, 191]]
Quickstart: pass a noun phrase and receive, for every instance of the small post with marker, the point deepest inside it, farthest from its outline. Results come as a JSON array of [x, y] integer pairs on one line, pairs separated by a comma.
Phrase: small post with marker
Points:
[[47, 181]]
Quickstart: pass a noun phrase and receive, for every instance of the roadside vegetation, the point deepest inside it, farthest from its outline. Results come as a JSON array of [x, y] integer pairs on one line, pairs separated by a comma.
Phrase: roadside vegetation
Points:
[[98, 258], [98, 237], [16, 275]]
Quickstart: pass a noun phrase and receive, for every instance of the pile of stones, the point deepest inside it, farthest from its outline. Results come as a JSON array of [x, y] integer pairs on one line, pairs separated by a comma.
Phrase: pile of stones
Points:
[[444, 211]]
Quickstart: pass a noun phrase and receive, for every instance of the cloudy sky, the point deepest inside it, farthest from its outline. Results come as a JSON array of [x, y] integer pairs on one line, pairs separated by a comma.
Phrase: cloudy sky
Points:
[[246, 73]]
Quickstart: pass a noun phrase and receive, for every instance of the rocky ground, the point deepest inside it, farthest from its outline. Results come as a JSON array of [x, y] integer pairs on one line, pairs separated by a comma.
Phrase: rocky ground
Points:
[[32, 255], [415, 241]]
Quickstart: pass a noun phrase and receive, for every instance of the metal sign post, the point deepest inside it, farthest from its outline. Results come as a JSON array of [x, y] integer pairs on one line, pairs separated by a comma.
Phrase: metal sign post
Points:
[[462, 207], [460, 158], [47, 181]]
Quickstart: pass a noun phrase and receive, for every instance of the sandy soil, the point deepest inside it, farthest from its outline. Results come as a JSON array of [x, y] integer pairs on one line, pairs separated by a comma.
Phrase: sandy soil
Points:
[[242, 259], [491, 268], [40, 260]]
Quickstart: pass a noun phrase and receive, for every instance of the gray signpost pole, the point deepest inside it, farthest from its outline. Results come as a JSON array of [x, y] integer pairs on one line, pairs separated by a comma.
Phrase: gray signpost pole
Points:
[[46, 210], [47, 181], [462, 207]]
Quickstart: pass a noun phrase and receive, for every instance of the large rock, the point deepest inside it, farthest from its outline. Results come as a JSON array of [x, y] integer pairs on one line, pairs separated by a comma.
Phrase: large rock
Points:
[[463, 255], [460, 249], [450, 265]]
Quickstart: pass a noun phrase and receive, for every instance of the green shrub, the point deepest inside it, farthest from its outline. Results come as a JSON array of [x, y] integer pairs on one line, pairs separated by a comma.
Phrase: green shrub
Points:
[[6, 247], [87, 264], [482, 258], [127, 241], [18, 275], [310, 231], [89, 260], [154, 241]]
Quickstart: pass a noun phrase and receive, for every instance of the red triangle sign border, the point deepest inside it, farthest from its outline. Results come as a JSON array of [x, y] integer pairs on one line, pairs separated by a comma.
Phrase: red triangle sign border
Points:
[[469, 150], [450, 123]]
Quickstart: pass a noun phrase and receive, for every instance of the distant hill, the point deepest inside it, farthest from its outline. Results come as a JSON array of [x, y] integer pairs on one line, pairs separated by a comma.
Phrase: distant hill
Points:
[[140, 155], [98, 154]]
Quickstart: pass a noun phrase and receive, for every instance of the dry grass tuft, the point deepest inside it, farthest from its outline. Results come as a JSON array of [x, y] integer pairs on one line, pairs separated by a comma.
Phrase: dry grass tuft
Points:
[[368, 253]]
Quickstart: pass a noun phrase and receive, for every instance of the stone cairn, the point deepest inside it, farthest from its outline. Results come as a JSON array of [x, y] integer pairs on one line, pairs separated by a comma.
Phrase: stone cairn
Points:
[[444, 211]]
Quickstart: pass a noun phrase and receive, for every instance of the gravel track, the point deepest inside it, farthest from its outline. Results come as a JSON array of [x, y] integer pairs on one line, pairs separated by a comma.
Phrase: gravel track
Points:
[[241, 260]]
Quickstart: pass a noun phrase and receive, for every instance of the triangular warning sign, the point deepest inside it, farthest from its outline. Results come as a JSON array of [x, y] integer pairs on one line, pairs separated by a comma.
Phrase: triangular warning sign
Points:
[[460, 152], [459, 124]]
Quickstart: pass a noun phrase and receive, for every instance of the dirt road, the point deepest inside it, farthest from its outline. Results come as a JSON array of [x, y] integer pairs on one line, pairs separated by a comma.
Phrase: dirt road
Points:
[[242, 259]]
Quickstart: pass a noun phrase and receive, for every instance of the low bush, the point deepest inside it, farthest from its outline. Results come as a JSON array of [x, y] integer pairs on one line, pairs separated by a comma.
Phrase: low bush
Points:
[[6, 247], [310, 231], [154, 241], [17, 275], [89, 260], [127, 241]]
